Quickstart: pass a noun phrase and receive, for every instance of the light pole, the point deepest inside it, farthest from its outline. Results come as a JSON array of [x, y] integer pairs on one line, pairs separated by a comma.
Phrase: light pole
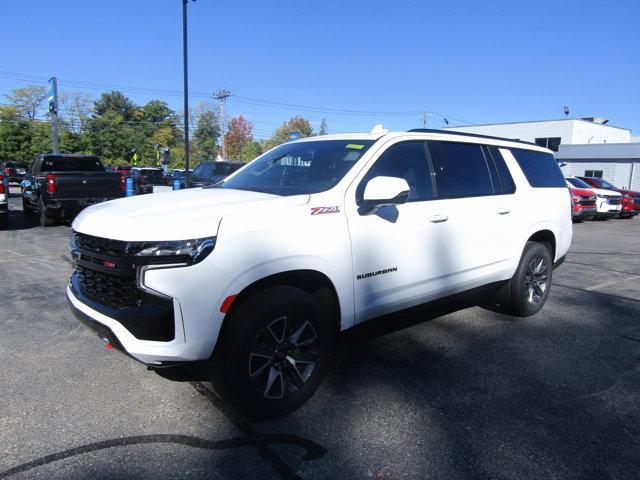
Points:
[[186, 92]]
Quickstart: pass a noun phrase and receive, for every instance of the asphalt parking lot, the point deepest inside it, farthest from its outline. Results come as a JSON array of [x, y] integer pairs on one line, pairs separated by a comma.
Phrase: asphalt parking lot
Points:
[[471, 394]]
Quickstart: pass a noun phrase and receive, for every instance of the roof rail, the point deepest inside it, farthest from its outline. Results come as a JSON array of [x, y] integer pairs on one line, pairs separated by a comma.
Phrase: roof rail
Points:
[[475, 135]]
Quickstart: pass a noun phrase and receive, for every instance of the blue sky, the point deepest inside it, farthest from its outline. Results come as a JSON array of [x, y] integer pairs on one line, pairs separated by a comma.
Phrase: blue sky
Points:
[[473, 61]]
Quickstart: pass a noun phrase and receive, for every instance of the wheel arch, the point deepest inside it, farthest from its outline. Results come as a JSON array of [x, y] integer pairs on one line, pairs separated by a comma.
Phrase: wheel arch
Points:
[[313, 282], [547, 238]]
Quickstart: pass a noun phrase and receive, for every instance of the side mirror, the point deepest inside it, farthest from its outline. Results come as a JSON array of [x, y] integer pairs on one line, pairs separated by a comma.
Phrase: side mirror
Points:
[[383, 191]]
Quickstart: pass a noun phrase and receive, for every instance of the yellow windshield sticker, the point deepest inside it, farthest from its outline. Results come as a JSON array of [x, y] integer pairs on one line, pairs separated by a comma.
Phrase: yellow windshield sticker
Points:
[[355, 146]]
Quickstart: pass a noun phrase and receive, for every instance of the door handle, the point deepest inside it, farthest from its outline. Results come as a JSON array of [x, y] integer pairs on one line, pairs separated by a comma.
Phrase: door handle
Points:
[[438, 218], [504, 211]]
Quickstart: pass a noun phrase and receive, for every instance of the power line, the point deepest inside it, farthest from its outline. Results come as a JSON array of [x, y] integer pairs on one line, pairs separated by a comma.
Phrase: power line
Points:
[[236, 98]]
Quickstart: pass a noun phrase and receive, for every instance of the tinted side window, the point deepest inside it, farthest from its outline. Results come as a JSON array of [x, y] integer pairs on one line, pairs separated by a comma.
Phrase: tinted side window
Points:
[[460, 170], [197, 171], [224, 169], [504, 176], [406, 160], [203, 171], [541, 169]]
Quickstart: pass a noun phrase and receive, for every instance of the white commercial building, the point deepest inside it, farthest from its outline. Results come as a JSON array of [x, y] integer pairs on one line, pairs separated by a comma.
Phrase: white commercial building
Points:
[[586, 147]]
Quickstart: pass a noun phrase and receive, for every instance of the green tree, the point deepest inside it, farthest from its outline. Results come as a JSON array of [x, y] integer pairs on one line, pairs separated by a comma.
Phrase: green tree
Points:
[[41, 138], [157, 125], [250, 151], [294, 124], [117, 102], [206, 135], [112, 138], [15, 135], [28, 100]]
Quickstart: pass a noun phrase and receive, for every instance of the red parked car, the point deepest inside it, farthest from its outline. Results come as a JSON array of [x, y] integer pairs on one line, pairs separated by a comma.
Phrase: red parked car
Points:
[[583, 204], [630, 199]]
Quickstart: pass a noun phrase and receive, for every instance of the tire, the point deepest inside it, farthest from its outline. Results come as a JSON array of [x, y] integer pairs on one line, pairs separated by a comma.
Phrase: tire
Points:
[[45, 220], [527, 291], [27, 209], [4, 221], [274, 353]]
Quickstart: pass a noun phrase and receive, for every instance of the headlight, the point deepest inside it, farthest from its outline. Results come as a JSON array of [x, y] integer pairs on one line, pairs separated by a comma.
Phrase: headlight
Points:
[[599, 196], [192, 251]]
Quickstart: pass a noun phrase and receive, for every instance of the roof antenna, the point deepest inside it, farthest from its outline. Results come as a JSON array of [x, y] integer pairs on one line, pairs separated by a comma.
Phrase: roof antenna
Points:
[[378, 130]]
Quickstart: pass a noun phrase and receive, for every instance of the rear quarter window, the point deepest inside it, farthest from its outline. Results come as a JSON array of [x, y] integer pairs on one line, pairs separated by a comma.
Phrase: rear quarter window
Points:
[[540, 169]]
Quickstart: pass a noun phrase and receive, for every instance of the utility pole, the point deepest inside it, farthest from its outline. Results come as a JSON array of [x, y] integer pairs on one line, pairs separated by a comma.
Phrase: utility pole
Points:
[[222, 95], [53, 110], [186, 92], [425, 117]]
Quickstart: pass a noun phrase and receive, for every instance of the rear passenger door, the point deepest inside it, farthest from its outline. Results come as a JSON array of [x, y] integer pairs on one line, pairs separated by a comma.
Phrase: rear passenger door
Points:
[[475, 202]]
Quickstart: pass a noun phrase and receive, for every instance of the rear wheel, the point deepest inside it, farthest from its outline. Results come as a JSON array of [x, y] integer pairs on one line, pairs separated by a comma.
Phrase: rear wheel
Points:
[[527, 291], [46, 220], [274, 353]]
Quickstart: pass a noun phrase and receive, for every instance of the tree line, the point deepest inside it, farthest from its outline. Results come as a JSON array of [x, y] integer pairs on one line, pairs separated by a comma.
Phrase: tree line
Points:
[[122, 132]]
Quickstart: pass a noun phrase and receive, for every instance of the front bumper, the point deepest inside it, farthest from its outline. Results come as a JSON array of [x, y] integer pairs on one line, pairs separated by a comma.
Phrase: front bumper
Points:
[[584, 213], [196, 293], [146, 351], [630, 209]]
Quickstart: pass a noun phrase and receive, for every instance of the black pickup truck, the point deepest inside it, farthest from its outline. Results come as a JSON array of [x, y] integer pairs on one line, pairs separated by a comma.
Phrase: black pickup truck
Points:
[[60, 186]]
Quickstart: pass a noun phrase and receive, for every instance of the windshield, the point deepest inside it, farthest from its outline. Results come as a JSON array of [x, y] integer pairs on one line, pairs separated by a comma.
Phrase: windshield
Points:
[[576, 182], [604, 184], [300, 168]]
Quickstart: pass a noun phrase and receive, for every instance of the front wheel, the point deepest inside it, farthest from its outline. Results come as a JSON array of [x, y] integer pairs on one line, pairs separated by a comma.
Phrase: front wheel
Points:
[[274, 353], [527, 291]]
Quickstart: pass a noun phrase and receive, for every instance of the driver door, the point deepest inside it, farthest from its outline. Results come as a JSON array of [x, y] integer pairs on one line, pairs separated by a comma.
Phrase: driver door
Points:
[[400, 251]]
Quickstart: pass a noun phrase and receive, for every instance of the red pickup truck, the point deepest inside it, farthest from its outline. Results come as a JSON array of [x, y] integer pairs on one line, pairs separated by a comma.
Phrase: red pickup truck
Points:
[[630, 199], [583, 204]]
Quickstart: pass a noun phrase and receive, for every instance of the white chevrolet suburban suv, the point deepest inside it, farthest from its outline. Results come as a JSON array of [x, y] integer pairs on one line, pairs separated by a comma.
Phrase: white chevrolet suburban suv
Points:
[[257, 275]]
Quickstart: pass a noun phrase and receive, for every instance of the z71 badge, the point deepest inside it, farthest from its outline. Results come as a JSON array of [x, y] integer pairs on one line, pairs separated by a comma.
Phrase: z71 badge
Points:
[[323, 210]]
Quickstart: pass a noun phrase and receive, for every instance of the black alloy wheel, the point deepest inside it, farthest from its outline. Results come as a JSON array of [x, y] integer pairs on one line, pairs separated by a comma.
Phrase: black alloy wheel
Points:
[[283, 357]]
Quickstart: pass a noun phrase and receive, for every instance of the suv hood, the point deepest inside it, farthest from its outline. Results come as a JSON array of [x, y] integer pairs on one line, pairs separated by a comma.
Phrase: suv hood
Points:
[[179, 215], [582, 192], [602, 191]]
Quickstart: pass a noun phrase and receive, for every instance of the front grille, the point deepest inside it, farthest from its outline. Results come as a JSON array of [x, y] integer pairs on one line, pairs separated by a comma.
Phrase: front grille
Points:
[[588, 203], [614, 200], [110, 290], [104, 246], [636, 200], [105, 278]]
